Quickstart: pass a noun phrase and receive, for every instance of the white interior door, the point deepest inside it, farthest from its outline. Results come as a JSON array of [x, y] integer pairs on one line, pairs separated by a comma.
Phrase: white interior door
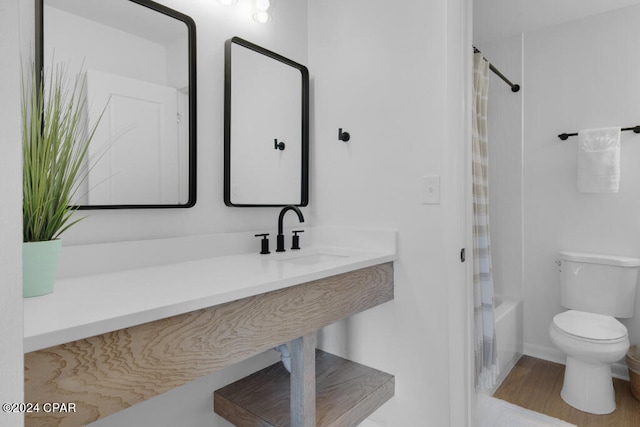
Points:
[[134, 155]]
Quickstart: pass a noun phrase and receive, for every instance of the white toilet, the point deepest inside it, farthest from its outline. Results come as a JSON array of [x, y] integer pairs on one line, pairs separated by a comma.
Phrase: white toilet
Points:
[[596, 289]]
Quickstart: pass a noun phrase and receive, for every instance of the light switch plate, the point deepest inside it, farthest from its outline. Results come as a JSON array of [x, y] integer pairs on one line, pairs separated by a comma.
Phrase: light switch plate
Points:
[[431, 190]]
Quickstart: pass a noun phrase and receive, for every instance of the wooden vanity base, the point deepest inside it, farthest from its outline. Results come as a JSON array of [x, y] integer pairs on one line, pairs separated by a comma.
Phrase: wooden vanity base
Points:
[[108, 373], [346, 394]]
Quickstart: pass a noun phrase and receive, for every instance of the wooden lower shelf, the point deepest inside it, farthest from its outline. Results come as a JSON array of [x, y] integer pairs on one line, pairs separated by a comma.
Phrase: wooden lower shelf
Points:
[[346, 394]]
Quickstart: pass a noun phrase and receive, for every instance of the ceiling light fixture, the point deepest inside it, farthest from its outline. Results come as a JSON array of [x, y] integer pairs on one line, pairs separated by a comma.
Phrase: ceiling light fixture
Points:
[[262, 14]]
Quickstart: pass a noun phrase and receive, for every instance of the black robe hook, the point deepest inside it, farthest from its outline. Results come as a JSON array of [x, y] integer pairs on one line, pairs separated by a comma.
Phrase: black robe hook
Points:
[[343, 136]]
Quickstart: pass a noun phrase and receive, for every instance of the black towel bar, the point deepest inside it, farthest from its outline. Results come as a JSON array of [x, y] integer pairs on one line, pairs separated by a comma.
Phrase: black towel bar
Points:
[[564, 136]]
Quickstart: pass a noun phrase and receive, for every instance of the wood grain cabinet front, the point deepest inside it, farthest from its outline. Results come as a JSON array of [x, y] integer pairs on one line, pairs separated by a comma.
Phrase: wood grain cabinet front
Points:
[[107, 373]]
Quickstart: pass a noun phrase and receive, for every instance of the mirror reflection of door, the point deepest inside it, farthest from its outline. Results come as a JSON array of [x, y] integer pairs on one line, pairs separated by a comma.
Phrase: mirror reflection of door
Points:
[[137, 63], [135, 154]]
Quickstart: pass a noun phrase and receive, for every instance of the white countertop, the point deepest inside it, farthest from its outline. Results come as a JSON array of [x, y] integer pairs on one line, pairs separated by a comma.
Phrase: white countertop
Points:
[[94, 304]]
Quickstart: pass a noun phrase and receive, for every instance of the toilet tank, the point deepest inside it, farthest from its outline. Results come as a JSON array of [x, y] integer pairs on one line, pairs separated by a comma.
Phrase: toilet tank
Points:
[[602, 284]]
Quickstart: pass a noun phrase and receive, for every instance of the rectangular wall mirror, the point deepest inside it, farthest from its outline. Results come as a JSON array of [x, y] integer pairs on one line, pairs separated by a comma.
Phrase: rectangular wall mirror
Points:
[[140, 61], [266, 127]]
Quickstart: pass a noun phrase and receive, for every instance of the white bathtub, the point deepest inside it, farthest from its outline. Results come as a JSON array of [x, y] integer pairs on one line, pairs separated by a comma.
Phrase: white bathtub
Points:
[[509, 334]]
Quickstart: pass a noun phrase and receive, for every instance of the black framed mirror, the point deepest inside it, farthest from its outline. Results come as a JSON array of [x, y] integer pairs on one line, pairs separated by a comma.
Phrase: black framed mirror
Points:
[[139, 59], [266, 127]]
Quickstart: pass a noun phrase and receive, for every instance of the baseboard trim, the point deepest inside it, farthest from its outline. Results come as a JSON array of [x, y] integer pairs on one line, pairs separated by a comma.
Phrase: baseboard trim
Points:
[[618, 369], [545, 353]]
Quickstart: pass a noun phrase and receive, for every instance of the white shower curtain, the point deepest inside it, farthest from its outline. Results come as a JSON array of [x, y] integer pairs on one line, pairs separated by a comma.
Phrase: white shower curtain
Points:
[[485, 335]]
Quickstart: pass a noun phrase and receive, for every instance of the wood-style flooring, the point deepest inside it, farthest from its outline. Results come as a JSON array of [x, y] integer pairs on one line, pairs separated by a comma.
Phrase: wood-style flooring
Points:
[[535, 384]]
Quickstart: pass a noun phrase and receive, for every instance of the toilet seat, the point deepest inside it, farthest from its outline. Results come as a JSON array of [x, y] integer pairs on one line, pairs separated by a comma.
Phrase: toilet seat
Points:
[[590, 327]]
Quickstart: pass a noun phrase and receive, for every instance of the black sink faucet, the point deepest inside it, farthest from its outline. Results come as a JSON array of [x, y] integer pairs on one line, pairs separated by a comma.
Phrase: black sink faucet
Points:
[[280, 237]]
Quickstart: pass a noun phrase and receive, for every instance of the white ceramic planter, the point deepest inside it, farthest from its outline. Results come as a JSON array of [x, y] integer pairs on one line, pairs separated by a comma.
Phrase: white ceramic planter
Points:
[[39, 267]]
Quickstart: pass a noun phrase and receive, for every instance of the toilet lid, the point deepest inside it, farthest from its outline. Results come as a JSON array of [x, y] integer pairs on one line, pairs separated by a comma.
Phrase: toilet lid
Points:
[[590, 325]]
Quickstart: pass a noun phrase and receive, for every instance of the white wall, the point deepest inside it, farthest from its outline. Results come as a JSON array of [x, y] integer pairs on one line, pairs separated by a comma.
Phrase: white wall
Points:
[[381, 73], [507, 18], [583, 74], [16, 36]]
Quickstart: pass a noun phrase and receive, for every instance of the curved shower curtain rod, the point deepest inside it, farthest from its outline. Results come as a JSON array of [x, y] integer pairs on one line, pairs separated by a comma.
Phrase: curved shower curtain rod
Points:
[[514, 87]]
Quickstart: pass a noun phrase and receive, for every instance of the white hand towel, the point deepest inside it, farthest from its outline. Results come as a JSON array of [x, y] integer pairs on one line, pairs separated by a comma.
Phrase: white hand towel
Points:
[[599, 160]]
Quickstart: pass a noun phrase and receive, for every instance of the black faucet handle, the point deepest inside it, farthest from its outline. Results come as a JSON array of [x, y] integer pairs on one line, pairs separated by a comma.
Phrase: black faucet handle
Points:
[[295, 241], [264, 243]]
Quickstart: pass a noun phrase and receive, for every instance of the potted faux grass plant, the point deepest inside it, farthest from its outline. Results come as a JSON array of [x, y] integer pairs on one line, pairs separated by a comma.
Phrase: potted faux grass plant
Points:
[[55, 142]]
